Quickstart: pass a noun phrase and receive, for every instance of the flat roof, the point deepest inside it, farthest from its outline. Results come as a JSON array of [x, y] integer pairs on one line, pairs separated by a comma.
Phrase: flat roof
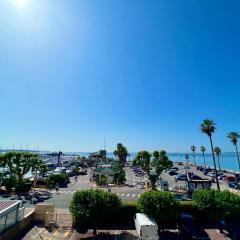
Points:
[[144, 220], [7, 204]]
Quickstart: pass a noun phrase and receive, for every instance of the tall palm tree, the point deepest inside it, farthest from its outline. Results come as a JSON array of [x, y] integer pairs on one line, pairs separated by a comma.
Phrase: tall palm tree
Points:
[[193, 148], [203, 149], [218, 151], [208, 127], [233, 136]]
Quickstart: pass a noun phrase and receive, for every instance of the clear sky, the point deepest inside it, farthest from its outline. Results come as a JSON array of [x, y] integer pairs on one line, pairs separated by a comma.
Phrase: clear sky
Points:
[[145, 73]]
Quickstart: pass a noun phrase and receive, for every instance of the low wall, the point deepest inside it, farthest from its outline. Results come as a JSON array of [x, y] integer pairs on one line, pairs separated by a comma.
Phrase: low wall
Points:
[[13, 231]]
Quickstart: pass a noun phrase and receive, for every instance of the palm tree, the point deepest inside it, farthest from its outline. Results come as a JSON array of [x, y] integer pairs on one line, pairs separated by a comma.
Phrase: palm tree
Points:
[[208, 127], [203, 149], [234, 139], [218, 151], [193, 148]]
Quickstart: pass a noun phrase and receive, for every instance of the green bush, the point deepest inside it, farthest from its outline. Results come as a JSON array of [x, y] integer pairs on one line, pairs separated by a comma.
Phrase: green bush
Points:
[[227, 204], [215, 204], [102, 180], [61, 179], [93, 207], [162, 206], [9, 183], [126, 212], [23, 187], [204, 199], [188, 207]]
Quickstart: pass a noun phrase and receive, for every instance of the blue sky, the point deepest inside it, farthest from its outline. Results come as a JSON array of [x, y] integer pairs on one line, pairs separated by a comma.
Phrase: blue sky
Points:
[[145, 73]]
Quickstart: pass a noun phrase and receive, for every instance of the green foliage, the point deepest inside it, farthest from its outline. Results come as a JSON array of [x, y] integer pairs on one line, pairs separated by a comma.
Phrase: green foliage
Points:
[[102, 180], [9, 182], [94, 206], [60, 179], [126, 212], [162, 206], [159, 162], [215, 204], [20, 163], [119, 176], [121, 152], [22, 187]]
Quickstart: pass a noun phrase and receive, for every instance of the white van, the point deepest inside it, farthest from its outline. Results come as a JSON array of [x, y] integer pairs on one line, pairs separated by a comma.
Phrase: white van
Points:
[[146, 227]]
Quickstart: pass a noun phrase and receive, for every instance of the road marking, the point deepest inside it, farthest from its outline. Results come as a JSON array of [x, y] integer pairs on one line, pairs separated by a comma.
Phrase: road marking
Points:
[[133, 195], [122, 194], [128, 195], [118, 193]]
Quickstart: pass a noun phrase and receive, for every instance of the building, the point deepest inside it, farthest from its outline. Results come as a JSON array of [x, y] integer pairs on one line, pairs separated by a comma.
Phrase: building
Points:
[[11, 212], [103, 170]]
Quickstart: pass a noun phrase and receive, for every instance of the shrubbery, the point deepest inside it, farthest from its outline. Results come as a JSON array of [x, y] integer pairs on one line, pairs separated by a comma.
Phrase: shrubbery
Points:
[[61, 179], [216, 204], [94, 206], [162, 206]]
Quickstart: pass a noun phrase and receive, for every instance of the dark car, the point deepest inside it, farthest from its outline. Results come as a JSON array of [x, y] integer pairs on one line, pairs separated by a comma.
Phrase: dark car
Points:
[[206, 171], [190, 228], [232, 227], [195, 177], [233, 185]]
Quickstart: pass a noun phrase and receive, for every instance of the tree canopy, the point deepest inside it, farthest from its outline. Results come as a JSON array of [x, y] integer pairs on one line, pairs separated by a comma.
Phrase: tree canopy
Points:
[[158, 160], [20, 163], [121, 152]]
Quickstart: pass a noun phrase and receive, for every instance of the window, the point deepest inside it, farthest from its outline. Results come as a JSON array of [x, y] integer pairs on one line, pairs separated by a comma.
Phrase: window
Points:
[[2, 223], [11, 219]]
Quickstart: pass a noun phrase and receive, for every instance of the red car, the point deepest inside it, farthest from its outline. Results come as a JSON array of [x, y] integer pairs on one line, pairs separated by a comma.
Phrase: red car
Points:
[[229, 179]]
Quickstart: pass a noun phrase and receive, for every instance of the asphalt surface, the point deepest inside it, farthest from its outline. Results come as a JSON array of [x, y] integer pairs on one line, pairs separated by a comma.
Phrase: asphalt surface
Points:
[[63, 197]]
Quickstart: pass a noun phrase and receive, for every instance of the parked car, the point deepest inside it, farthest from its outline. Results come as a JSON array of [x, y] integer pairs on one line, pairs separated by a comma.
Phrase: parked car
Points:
[[187, 167], [233, 185], [206, 171], [175, 168], [195, 177], [221, 177], [190, 228], [172, 172], [232, 227], [181, 177], [229, 179]]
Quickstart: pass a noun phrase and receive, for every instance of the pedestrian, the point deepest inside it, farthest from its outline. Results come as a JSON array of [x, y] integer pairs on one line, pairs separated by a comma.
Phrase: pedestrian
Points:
[[57, 188]]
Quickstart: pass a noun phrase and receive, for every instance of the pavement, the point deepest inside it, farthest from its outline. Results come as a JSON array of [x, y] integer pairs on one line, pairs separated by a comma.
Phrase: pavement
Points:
[[130, 192]]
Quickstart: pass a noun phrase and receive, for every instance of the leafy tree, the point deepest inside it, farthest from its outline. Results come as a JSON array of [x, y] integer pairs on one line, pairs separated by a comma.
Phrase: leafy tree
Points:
[[60, 179], [121, 152], [119, 175], [143, 159], [159, 162], [162, 206], [208, 128], [93, 206], [203, 149], [20, 163], [193, 148], [233, 136], [102, 180], [218, 151]]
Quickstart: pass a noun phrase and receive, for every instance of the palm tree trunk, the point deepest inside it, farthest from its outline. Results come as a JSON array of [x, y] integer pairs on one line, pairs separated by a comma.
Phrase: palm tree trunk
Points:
[[214, 162], [194, 159], [219, 164], [204, 160], [238, 158]]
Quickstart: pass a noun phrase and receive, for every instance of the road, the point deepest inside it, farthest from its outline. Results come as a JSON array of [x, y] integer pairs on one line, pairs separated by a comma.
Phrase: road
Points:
[[63, 198]]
